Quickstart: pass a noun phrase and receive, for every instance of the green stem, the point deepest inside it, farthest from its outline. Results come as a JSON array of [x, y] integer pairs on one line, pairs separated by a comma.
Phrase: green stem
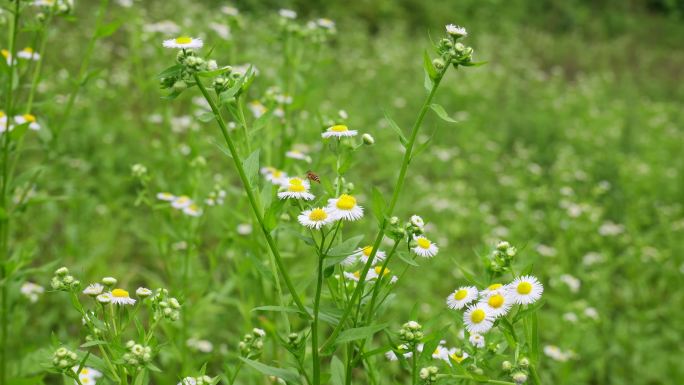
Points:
[[390, 209], [251, 197], [464, 377], [376, 288], [414, 366], [314, 327]]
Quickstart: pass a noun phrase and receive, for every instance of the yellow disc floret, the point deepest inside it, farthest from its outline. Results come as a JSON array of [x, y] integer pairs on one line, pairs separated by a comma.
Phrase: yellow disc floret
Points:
[[346, 202], [318, 215], [183, 40], [120, 293], [29, 118], [459, 295], [367, 251], [524, 288], [477, 316], [496, 301], [339, 128], [494, 286], [423, 243]]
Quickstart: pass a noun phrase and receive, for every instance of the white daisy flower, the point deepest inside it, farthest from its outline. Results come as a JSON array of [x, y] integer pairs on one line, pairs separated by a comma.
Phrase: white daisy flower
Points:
[[492, 289], [391, 355], [339, 131], [257, 108], [87, 372], [326, 23], [345, 208], [287, 14], [296, 154], [7, 55], [192, 210], [441, 353], [143, 292], [375, 272], [183, 42], [166, 196], [188, 381], [424, 247], [3, 121], [525, 290], [104, 298], [28, 54], [121, 297], [31, 291], [355, 276], [477, 340], [456, 31], [477, 319], [230, 11], [458, 358], [27, 118], [277, 177], [498, 304], [417, 221], [315, 218], [93, 290], [296, 188], [461, 297], [364, 253], [181, 202]]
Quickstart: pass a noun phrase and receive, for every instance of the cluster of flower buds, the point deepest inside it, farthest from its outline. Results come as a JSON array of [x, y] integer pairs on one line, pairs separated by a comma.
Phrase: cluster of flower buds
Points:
[[137, 355], [201, 380], [415, 226], [451, 50], [180, 77], [317, 31], [252, 343], [64, 359], [63, 281], [165, 306], [59, 7], [428, 375], [518, 372], [396, 230], [294, 340], [411, 333], [501, 257], [139, 171]]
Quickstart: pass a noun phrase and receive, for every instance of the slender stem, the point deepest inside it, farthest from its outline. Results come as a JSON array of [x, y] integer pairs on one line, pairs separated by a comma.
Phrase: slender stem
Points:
[[376, 288], [235, 374], [314, 327], [251, 196], [465, 377], [390, 209], [414, 367]]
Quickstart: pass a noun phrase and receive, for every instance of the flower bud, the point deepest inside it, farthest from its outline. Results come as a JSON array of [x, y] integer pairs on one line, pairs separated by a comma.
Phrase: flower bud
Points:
[[368, 139], [524, 362], [519, 377], [439, 64], [62, 271], [109, 281]]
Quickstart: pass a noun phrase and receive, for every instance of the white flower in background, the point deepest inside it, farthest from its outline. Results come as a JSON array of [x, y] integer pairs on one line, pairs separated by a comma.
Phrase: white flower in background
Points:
[[183, 42], [87, 376], [296, 154], [230, 11], [591, 313], [441, 352], [461, 297], [498, 304], [573, 283], [424, 247], [3, 121], [257, 108], [27, 118], [555, 353], [339, 131], [93, 290], [455, 30], [192, 210], [477, 340], [570, 317], [609, 229], [31, 291], [244, 229], [121, 297], [275, 176], [181, 202], [315, 218], [199, 345], [391, 355], [29, 54], [7, 55], [166, 196], [525, 290], [345, 208], [165, 27], [143, 292], [477, 319], [296, 188], [355, 276], [364, 253], [326, 23], [221, 29], [287, 14], [188, 381]]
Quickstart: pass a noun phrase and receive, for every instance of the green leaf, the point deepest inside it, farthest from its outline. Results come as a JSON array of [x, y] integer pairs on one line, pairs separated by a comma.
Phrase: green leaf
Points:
[[93, 343], [107, 29], [206, 117], [172, 71], [251, 166], [346, 247], [529, 310], [394, 126], [285, 374], [379, 205], [359, 333], [442, 113], [474, 63], [427, 65], [279, 309], [402, 255], [336, 371], [213, 73]]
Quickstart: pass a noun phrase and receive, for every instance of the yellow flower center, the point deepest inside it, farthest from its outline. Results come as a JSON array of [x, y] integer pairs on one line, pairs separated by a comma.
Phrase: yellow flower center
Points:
[[477, 316], [339, 128], [423, 243], [120, 293], [28, 50], [459, 295], [357, 274], [378, 269], [496, 301], [5, 53], [84, 371], [277, 173], [318, 215], [2, 114], [296, 188], [29, 118], [346, 202], [456, 358], [494, 286], [183, 40], [367, 251], [524, 288], [85, 380]]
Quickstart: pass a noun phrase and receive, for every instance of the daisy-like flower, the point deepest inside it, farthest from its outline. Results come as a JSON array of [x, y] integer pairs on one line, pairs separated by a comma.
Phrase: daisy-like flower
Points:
[[477, 319], [461, 297], [315, 218], [326, 23], [104, 298], [296, 154], [296, 188], [498, 304], [287, 14], [87, 376], [355, 276], [188, 381], [44, 3], [525, 290], [143, 292], [29, 54], [339, 131], [121, 297], [477, 340], [424, 247], [277, 177], [458, 358], [491, 290], [375, 272], [257, 108], [32, 291], [345, 208], [192, 210], [183, 42], [456, 31], [93, 290], [166, 196], [230, 11], [7, 55], [364, 253], [3, 121], [27, 118], [181, 202], [391, 355]]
